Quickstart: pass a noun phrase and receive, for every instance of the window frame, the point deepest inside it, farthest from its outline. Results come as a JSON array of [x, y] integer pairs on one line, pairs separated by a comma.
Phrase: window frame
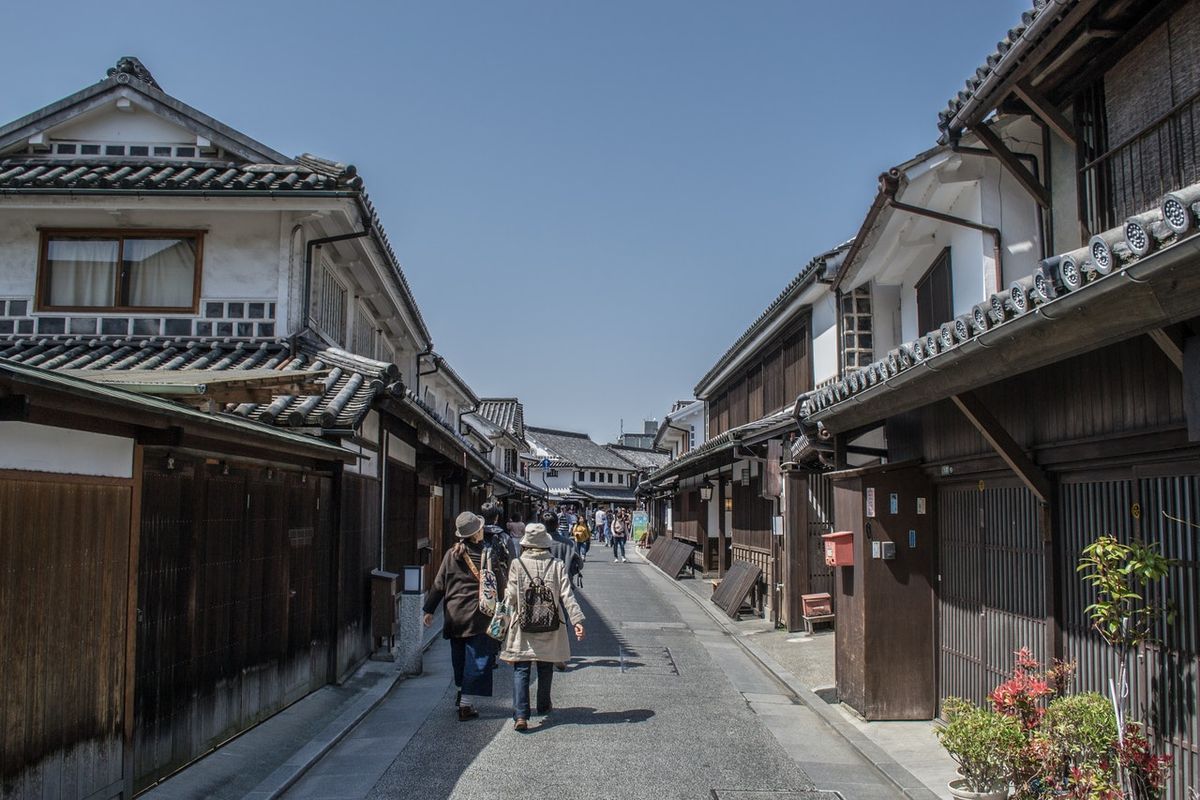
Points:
[[942, 258], [42, 287]]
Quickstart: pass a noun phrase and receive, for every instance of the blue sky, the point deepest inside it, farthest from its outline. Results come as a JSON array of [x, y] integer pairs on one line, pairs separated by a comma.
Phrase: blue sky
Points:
[[591, 200]]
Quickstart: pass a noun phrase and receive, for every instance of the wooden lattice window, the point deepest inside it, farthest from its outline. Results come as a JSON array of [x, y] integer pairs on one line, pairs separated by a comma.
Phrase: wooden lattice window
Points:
[[858, 346], [366, 337], [329, 315]]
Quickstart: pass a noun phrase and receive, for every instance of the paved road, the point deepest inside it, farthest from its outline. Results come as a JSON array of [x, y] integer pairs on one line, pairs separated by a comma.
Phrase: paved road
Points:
[[659, 702]]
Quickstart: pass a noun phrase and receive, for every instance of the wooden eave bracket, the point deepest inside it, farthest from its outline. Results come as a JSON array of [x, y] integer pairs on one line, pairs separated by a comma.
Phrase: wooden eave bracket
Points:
[[1169, 345], [1045, 112], [1005, 446], [1009, 161]]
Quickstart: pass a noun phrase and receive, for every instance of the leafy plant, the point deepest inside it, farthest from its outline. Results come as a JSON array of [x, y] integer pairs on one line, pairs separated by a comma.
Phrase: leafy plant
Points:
[[1147, 773], [1082, 729], [984, 743]]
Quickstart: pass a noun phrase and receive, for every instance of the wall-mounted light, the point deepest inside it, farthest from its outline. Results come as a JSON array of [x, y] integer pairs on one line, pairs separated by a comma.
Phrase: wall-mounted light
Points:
[[170, 463], [729, 504], [414, 578], [706, 490]]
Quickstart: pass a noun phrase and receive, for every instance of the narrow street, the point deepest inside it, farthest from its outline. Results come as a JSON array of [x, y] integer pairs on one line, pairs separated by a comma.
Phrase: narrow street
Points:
[[658, 702]]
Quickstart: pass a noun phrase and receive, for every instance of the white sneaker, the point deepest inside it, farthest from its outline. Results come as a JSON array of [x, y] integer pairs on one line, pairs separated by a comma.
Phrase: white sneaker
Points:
[[615, 560], [623, 559]]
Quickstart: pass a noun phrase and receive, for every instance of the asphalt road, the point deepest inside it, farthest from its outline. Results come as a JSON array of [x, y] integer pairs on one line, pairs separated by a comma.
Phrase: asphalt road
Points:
[[659, 702]]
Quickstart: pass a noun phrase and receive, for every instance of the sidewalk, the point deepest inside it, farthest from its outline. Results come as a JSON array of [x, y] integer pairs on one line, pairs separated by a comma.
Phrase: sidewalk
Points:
[[263, 762], [907, 752]]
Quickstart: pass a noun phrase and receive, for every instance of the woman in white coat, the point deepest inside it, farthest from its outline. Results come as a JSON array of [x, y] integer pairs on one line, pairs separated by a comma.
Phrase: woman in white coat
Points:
[[523, 648]]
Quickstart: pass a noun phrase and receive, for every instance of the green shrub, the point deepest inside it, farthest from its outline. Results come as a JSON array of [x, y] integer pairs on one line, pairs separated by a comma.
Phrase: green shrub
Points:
[[983, 743], [1082, 728]]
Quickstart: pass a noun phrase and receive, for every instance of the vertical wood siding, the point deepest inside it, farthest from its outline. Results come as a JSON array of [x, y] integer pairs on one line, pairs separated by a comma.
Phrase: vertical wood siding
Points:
[[359, 548], [234, 582], [990, 600], [64, 571], [1164, 684]]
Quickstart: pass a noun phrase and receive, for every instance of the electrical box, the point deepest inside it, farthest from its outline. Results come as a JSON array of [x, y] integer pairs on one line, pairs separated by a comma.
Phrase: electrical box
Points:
[[839, 549]]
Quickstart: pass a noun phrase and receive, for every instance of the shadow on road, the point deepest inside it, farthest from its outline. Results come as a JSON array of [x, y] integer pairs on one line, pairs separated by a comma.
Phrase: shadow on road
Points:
[[585, 715]]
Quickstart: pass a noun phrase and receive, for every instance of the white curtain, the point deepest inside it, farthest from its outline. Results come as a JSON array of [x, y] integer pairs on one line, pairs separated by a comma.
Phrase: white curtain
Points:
[[83, 272], [161, 272]]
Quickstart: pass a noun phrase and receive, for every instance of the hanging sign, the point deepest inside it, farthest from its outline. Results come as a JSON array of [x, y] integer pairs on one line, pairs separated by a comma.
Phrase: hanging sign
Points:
[[870, 501], [920, 505]]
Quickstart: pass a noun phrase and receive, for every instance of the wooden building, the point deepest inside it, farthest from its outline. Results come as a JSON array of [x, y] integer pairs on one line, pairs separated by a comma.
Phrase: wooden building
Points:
[[1020, 422], [148, 246]]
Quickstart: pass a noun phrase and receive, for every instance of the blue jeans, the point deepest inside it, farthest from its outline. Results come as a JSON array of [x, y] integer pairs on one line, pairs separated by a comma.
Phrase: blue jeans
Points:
[[522, 672], [473, 658], [584, 547], [619, 547]]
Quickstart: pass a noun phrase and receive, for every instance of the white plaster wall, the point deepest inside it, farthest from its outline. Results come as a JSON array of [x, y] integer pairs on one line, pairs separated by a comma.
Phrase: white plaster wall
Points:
[[42, 448], [1006, 204], [135, 125], [241, 248], [399, 450], [825, 338], [1064, 198], [885, 317]]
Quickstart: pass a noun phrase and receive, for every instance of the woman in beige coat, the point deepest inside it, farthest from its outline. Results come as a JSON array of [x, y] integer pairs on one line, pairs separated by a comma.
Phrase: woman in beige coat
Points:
[[525, 649]]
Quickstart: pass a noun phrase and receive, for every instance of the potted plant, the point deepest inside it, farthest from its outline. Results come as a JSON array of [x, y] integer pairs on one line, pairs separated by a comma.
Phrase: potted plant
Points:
[[984, 743]]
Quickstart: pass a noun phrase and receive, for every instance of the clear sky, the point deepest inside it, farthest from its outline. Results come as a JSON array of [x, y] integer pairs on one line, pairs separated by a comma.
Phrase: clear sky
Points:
[[592, 200]]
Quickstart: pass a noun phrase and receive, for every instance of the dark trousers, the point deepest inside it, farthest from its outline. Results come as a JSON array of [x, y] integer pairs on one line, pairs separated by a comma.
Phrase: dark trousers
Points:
[[473, 658], [522, 673], [619, 547]]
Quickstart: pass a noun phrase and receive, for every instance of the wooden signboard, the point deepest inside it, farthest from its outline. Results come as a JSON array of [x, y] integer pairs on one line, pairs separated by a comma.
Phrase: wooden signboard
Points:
[[673, 557], [739, 579]]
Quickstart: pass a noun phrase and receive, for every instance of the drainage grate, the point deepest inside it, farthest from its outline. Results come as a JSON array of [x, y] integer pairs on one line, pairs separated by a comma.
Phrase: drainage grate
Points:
[[656, 661]]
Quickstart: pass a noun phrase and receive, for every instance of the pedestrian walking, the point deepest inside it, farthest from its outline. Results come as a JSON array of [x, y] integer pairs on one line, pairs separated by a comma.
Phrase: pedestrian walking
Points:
[[582, 536], [563, 548], [618, 539], [536, 635], [464, 569], [504, 547], [601, 522]]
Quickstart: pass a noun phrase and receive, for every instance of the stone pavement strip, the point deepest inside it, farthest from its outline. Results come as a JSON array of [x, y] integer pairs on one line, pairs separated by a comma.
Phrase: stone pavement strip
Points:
[[658, 702]]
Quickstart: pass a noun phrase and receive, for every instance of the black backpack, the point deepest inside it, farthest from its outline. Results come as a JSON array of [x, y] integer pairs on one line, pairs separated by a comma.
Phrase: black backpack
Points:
[[539, 612]]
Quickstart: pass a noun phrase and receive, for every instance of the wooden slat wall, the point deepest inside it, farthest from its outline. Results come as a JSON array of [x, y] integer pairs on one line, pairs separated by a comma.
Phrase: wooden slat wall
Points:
[[64, 572], [1164, 685], [751, 516], [1131, 386], [767, 384], [359, 545], [234, 579]]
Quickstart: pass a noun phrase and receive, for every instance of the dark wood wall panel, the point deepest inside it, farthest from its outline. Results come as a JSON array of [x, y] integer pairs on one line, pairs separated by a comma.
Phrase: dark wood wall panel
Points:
[[235, 582], [64, 571], [359, 554], [751, 516], [772, 379], [1126, 387]]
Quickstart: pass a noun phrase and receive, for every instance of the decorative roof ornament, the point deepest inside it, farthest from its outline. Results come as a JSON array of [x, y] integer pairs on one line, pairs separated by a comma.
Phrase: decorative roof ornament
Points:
[[130, 67]]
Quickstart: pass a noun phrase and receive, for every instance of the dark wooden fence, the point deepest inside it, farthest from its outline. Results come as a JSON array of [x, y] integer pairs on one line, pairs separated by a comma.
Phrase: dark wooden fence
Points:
[[235, 584], [64, 583]]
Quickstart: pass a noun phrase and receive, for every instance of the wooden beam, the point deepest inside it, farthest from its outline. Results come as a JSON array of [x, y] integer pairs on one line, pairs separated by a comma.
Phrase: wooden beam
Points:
[[1171, 348], [1004, 445], [1046, 112], [1009, 161]]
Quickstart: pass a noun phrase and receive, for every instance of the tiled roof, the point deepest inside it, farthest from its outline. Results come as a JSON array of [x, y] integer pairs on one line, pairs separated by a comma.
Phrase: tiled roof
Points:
[[576, 449], [608, 495], [350, 387], [803, 278], [1068, 277], [482, 465], [641, 457], [102, 394], [733, 436], [506, 413], [1010, 52], [141, 175], [518, 484]]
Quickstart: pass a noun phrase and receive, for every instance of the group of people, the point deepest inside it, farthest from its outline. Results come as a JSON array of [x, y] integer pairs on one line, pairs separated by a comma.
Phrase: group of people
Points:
[[507, 595], [610, 528]]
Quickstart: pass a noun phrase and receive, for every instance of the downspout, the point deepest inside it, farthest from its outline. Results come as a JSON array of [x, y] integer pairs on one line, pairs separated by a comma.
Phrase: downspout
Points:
[[309, 247], [1035, 168], [965, 223], [426, 353], [474, 408]]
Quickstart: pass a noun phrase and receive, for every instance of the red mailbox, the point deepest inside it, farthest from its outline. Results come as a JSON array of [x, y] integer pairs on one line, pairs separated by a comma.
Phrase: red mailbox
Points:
[[839, 549]]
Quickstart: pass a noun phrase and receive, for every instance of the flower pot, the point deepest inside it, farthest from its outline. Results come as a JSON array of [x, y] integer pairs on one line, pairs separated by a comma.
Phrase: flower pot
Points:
[[958, 788]]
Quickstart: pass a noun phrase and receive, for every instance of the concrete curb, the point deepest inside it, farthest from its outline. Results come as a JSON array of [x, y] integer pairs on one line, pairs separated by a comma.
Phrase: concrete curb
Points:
[[887, 766], [291, 771]]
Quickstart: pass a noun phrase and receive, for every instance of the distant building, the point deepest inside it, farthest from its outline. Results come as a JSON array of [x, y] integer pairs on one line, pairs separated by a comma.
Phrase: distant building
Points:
[[644, 440]]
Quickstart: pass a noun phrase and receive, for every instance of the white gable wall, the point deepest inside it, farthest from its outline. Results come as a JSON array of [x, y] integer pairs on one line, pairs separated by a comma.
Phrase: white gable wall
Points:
[[108, 124]]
